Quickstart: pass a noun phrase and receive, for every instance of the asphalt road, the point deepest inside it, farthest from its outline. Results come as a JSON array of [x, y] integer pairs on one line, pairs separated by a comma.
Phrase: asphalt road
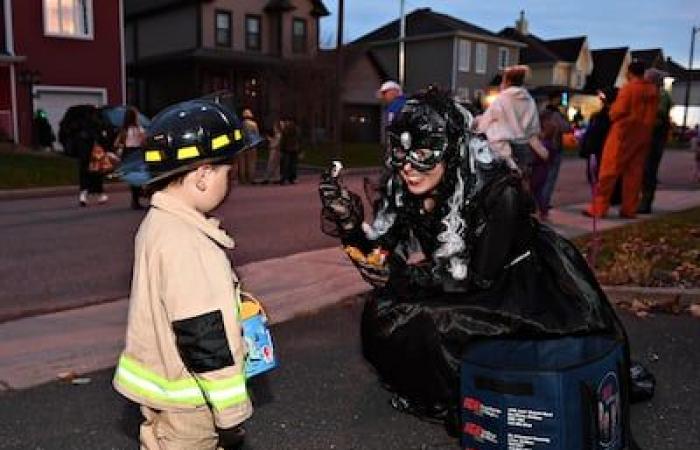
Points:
[[55, 255], [323, 396]]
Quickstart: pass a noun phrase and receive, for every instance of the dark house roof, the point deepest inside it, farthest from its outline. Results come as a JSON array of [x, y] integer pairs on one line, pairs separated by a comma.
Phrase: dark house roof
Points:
[[606, 67], [319, 9], [542, 51], [653, 57], [279, 5], [568, 49], [680, 73], [425, 21], [536, 50], [139, 7]]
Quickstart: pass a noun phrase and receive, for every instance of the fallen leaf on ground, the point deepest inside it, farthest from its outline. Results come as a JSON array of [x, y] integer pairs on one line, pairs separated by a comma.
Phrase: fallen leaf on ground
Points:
[[67, 376]]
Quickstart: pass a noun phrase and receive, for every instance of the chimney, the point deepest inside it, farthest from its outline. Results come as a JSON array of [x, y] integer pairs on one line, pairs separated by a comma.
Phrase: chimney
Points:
[[521, 24]]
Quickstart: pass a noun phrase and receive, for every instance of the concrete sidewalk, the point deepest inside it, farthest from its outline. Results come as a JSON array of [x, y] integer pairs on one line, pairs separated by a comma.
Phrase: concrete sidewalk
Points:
[[35, 350]]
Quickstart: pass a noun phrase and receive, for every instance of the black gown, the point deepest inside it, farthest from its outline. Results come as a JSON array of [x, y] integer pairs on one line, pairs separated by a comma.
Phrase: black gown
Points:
[[525, 281]]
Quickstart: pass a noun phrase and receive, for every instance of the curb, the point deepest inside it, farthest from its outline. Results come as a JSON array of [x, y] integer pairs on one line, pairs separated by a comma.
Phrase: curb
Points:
[[655, 296], [55, 191]]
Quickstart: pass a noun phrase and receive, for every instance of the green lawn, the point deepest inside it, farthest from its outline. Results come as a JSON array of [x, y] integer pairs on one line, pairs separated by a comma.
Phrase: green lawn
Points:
[[659, 252], [27, 169]]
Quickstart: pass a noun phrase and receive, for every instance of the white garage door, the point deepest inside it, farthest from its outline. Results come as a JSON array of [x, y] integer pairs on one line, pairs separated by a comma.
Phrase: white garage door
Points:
[[55, 101]]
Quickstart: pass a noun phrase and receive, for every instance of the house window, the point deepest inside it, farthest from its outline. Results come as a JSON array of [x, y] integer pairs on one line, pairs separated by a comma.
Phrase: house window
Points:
[[252, 32], [68, 18], [223, 28], [463, 54], [299, 36], [481, 55], [503, 58]]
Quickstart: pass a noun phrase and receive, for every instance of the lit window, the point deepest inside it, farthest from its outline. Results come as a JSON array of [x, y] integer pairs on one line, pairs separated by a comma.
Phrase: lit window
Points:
[[252, 32], [69, 18], [299, 36], [503, 58], [481, 54], [463, 54], [223, 28]]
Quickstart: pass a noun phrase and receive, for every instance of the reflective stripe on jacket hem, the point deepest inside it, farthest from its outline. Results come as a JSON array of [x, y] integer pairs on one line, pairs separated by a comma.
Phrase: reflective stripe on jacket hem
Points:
[[220, 394]]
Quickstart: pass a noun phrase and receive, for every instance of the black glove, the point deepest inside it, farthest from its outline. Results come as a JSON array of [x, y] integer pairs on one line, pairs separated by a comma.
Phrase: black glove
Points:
[[231, 438], [341, 208]]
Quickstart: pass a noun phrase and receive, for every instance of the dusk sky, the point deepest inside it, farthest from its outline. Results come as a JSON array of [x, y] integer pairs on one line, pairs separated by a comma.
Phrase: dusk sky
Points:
[[639, 24]]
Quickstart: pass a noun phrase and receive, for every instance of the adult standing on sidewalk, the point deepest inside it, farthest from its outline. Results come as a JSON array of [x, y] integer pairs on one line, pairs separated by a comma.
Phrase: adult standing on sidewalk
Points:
[[658, 140], [289, 151], [247, 161], [554, 125], [272, 172], [79, 132], [129, 144], [511, 123], [633, 116], [391, 95]]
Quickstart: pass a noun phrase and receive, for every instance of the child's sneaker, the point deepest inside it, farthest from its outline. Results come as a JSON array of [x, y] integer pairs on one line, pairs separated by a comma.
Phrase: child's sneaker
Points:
[[102, 199]]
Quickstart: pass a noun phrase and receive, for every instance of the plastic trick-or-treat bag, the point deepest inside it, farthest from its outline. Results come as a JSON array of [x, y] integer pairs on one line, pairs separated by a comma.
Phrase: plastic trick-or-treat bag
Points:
[[256, 332]]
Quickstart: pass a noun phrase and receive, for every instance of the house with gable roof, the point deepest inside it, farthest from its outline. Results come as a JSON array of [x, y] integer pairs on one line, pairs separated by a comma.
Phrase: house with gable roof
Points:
[[261, 51], [440, 50], [557, 64]]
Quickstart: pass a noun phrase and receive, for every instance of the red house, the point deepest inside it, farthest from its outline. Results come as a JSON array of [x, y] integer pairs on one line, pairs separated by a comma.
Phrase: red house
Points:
[[55, 54]]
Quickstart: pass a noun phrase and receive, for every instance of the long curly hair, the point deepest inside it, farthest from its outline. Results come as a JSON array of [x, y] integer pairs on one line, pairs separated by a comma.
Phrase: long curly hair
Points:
[[418, 117]]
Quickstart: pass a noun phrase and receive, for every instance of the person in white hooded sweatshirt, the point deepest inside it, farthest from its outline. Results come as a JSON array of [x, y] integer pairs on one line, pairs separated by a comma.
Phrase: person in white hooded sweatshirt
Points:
[[511, 123]]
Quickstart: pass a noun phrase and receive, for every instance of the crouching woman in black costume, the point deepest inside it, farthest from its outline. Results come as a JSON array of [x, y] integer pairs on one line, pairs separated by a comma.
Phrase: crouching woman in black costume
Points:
[[454, 255]]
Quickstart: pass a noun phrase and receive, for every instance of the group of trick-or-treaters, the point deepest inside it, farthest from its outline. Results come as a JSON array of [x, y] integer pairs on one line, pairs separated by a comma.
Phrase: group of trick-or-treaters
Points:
[[452, 251]]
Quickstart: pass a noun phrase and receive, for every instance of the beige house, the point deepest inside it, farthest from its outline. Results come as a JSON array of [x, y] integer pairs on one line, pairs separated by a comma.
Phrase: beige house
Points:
[[556, 65], [262, 51]]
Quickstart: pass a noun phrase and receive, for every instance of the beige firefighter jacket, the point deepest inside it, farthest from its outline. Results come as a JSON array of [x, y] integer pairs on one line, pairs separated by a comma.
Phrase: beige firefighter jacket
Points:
[[183, 342]]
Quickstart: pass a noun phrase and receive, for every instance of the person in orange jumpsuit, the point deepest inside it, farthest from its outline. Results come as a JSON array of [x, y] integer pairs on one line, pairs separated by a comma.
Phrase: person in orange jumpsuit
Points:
[[628, 143]]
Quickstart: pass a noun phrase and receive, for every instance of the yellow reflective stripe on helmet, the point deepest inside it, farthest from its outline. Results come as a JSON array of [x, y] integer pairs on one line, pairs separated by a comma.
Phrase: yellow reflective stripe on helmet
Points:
[[187, 152], [220, 141], [153, 156], [224, 393], [145, 383], [237, 135]]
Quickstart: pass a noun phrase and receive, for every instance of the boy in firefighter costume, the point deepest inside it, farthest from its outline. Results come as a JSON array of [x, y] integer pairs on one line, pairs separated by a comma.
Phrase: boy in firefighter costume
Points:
[[455, 256], [184, 355]]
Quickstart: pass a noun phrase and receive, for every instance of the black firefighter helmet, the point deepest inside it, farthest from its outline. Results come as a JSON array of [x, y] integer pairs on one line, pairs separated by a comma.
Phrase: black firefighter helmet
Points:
[[188, 134]]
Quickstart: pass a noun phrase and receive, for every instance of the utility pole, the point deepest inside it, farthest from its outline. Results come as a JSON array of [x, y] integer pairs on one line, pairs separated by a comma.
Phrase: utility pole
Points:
[[402, 45], [337, 148], [690, 76]]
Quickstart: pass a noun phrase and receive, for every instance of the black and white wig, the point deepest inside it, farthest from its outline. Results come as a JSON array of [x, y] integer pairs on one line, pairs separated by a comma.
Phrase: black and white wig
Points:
[[424, 117]]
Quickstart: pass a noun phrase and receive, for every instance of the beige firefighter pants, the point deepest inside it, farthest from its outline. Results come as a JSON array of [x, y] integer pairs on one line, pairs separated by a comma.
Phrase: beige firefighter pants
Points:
[[178, 430]]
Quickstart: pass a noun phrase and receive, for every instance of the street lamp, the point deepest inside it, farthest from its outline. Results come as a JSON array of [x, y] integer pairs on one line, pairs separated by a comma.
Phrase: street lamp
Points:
[[695, 30], [29, 78]]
